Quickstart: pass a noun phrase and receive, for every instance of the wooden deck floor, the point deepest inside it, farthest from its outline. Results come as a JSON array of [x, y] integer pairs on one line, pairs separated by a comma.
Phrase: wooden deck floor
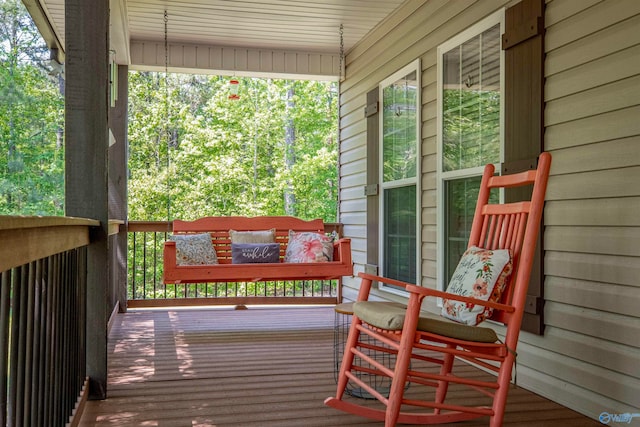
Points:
[[257, 367]]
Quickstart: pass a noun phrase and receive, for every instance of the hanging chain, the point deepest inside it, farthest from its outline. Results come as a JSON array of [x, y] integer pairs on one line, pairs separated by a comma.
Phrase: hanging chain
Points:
[[166, 69], [342, 62], [166, 116], [166, 42]]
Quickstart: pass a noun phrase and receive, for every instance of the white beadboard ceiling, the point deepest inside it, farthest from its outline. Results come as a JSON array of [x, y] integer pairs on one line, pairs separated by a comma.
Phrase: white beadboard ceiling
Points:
[[310, 26]]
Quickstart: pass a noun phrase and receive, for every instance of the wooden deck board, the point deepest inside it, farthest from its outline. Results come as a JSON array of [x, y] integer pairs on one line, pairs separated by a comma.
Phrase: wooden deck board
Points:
[[256, 367]]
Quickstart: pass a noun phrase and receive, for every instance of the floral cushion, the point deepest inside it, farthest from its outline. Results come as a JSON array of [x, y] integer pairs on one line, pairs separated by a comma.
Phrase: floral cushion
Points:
[[194, 249], [481, 274], [262, 236], [309, 247], [246, 253]]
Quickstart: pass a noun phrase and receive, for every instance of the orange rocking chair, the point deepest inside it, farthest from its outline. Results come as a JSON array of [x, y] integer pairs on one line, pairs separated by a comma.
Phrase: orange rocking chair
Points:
[[490, 282]]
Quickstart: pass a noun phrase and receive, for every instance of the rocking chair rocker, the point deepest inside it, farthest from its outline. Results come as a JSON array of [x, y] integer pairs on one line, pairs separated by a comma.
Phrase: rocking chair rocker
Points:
[[416, 339]]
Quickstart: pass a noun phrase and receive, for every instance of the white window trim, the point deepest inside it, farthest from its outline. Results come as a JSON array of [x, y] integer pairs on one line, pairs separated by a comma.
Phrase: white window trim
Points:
[[479, 27], [413, 66]]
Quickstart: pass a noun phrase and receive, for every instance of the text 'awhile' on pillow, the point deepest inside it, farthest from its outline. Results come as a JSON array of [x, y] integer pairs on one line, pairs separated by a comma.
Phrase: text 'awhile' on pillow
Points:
[[248, 253]]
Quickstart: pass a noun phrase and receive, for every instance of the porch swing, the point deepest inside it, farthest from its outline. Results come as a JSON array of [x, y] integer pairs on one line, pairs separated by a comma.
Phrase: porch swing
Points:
[[250, 249]]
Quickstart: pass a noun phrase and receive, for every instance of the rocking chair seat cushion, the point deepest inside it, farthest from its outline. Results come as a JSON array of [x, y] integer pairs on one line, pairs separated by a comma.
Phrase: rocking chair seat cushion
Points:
[[390, 316]]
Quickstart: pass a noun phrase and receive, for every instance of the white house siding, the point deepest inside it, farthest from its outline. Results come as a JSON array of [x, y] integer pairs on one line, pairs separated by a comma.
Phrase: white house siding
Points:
[[589, 356]]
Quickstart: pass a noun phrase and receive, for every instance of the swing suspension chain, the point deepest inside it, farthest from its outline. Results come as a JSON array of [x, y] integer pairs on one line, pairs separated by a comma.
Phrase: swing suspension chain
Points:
[[166, 108], [341, 51], [166, 47]]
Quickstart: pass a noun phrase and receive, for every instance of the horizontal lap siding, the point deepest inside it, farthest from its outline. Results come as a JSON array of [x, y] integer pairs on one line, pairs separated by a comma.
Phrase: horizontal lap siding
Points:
[[592, 225], [589, 353], [415, 31]]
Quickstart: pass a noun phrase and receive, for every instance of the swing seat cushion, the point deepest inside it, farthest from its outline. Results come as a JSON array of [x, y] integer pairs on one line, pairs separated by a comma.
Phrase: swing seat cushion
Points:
[[309, 247], [260, 236], [251, 253], [194, 249]]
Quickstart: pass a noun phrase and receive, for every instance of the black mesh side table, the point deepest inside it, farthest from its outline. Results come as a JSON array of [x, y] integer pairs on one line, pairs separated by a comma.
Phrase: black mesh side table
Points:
[[382, 384]]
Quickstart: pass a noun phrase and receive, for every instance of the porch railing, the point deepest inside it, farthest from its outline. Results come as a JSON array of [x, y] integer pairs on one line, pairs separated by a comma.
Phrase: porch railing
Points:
[[145, 287], [43, 286]]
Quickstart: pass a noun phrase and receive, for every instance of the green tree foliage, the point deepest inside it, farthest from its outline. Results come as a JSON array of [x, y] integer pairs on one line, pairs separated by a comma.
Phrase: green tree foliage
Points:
[[31, 120], [471, 128], [193, 152]]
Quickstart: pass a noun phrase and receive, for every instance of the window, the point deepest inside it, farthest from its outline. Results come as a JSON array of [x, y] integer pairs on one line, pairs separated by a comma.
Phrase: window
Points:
[[399, 172], [470, 118]]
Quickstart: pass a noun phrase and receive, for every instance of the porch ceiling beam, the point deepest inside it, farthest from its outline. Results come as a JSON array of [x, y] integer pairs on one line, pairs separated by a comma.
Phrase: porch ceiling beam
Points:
[[43, 22], [119, 31], [226, 60]]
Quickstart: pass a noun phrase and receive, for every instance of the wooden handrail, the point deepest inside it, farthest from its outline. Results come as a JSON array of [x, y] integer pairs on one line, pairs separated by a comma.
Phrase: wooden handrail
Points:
[[149, 226], [160, 226], [28, 238], [115, 226], [13, 222]]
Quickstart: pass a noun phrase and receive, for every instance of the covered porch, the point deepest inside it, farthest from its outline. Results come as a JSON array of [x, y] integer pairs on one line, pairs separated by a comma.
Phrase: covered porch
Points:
[[260, 366], [267, 366]]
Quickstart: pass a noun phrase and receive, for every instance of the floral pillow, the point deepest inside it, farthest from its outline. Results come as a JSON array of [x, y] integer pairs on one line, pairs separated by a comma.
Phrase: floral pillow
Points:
[[247, 253], [481, 274], [261, 236], [309, 247], [194, 249]]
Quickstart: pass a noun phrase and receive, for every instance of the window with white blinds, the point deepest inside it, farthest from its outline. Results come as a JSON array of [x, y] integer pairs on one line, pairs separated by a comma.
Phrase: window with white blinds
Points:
[[399, 174], [469, 130]]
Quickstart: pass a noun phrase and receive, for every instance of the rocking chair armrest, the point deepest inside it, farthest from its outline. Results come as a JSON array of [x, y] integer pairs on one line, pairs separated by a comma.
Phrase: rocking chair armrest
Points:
[[381, 279], [422, 291]]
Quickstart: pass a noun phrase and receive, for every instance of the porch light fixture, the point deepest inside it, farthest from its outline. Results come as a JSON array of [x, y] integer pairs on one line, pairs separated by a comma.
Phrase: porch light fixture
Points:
[[234, 85]]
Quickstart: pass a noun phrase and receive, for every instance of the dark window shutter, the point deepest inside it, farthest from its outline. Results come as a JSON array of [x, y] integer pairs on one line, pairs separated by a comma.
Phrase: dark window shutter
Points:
[[371, 190], [523, 42]]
